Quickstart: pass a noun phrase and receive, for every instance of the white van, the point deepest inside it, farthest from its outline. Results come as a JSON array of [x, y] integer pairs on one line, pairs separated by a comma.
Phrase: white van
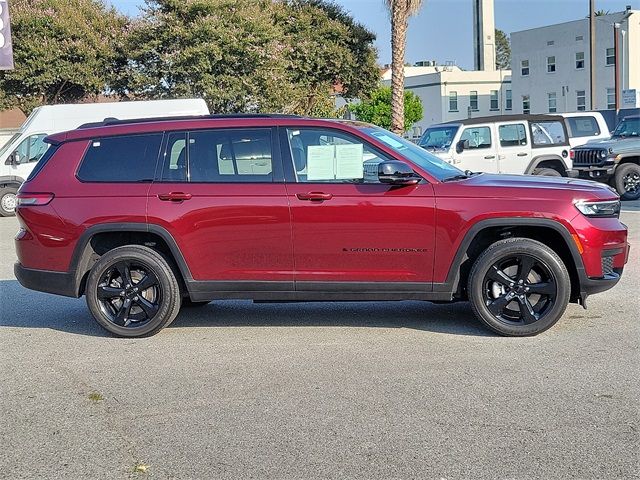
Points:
[[524, 144], [585, 126], [21, 153]]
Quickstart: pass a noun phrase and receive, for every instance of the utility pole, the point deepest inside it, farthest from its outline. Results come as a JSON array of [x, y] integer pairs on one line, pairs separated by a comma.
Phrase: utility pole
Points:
[[592, 52]]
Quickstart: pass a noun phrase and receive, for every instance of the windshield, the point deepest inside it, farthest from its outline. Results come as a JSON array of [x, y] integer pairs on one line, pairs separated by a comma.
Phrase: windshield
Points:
[[629, 127], [9, 143], [418, 155], [438, 137]]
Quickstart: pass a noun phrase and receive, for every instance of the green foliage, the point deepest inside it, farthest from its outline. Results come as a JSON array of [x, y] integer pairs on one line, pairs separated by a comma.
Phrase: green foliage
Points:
[[377, 109], [248, 55], [63, 51], [503, 50]]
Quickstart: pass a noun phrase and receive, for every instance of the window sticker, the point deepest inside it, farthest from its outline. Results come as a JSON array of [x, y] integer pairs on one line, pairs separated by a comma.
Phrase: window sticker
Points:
[[320, 165], [349, 161]]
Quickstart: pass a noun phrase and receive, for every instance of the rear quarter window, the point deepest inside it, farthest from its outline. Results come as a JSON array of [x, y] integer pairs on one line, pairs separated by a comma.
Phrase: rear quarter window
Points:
[[583, 126], [120, 159]]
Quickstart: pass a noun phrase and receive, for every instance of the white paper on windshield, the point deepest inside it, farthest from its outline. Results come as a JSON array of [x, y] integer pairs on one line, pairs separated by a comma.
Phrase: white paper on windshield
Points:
[[349, 161], [320, 162]]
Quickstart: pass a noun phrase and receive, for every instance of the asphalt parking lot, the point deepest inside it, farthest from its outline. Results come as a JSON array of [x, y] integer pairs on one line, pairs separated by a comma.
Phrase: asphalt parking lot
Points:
[[347, 390]]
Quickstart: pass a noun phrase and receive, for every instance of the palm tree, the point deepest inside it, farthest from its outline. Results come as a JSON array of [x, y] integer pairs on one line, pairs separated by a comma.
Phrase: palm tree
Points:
[[400, 11]]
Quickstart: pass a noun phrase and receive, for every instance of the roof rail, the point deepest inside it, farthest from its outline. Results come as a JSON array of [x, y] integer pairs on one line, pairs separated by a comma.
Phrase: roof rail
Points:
[[114, 121]]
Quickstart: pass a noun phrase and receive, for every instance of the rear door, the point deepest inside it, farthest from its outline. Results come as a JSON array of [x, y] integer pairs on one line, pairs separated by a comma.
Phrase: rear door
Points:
[[479, 154], [514, 147], [220, 193]]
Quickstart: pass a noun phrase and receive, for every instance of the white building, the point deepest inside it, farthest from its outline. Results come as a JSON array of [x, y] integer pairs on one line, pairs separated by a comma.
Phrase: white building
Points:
[[550, 65], [450, 93]]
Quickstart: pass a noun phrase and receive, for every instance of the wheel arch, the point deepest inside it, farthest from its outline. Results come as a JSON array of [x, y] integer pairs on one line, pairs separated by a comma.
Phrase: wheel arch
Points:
[[555, 162], [630, 159], [7, 180]]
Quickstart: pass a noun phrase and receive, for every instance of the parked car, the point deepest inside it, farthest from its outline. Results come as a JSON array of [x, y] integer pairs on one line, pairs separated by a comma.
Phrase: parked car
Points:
[[616, 160], [584, 127], [144, 217], [524, 144], [22, 151]]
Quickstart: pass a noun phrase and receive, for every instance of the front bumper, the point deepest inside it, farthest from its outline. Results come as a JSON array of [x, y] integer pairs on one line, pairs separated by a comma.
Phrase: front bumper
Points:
[[58, 283], [592, 172]]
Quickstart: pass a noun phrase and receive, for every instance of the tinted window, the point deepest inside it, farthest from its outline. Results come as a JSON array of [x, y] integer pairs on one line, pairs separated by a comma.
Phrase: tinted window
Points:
[[583, 126], [547, 133], [478, 137], [512, 135], [331, 156], [174, 165], [121, 159]]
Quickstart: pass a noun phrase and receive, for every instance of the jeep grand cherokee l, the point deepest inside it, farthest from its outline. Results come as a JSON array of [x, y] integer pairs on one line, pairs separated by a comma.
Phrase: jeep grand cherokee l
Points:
[[142, 217]]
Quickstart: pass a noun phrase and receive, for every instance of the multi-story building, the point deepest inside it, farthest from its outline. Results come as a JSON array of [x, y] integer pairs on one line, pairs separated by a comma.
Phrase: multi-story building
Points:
[[551, 70]]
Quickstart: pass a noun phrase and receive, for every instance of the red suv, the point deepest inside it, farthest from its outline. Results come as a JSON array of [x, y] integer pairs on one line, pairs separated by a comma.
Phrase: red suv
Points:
[[144, 216]]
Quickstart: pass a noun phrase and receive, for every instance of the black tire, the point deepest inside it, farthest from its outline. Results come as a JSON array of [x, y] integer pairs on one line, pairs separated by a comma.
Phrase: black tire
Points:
[[511, 307], [188, 303], [627, 181], [8, 201], [547, 172], [126, 309]]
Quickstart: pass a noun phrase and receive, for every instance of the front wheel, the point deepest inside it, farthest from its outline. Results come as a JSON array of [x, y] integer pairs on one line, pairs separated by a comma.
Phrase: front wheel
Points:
[[8, 201], [519, 287], [547, 172], [132, 291], [627, 181]]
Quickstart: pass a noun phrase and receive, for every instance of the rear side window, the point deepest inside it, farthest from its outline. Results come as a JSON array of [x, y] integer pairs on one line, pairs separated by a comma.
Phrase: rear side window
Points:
[[583, 126], [121, 159], [512, 135], [547, 133]]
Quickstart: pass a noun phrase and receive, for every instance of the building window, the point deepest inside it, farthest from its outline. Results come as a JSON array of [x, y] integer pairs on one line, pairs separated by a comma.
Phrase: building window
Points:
[[526, 104], [494, 100], [473, 100], [551, 99], [579, 60], [611, 98], [508, 101], [581, 101], [551, 64], [524, 70], [550, 43], [453, 101], [611, 56], [579, 38]]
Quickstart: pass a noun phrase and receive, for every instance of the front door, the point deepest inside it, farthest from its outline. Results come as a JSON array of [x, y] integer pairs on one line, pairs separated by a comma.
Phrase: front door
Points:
[[514, 147], [221, 195], [479, 154], [348, 227]]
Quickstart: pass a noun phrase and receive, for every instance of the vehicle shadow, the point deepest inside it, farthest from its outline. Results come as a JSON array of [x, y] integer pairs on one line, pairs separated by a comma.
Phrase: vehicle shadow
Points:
[[24, 308]]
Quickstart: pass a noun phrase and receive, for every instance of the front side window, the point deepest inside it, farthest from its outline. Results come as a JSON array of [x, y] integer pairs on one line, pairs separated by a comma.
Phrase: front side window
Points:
[[583, 126], [453, 101], [524, 68], [508, 100], [473, 100], [512, 135], [438, 138], [611, 98], [526, 104], [552, 101], [31, 149], [581, 103], [551, 64], [547, 133], [629, 127], [121, 159], [611, 57], [218, 156], [331, 156], [579, 60], [494, 100], [478, 137]]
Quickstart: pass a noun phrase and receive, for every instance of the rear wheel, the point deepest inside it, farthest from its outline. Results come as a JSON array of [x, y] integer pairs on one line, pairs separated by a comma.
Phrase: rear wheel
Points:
[[519, 287], [133, 292], [8, 201], [547, 172], [627, 181]]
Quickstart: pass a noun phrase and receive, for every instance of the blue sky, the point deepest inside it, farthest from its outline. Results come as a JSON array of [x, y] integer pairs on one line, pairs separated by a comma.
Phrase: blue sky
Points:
[[443, 29]]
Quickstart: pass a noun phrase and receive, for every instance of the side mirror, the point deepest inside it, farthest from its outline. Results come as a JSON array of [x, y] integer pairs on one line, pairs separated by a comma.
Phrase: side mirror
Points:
[[397, 173], [13, 159], [462, 145]]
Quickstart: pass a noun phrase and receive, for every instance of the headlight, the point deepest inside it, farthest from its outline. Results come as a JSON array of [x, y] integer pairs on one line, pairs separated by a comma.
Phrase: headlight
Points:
[[608, 208], [603, 154]]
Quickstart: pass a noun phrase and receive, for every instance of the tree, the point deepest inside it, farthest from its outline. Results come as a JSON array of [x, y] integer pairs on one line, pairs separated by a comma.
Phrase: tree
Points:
[[503, 51], [63, 51], [249, 55], [377, 109], [401, 11]]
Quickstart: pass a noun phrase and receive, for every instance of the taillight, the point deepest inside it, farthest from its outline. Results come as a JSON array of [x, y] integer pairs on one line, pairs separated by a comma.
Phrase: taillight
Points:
[[34, 199], [572, 154]]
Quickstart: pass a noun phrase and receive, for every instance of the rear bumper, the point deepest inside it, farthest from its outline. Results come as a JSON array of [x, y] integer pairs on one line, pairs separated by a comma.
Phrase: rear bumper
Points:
[[58, 283]]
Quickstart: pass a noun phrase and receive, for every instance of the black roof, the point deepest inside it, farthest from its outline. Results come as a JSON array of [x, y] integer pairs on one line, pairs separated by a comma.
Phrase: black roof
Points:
[[506, 118], [115, 121]]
